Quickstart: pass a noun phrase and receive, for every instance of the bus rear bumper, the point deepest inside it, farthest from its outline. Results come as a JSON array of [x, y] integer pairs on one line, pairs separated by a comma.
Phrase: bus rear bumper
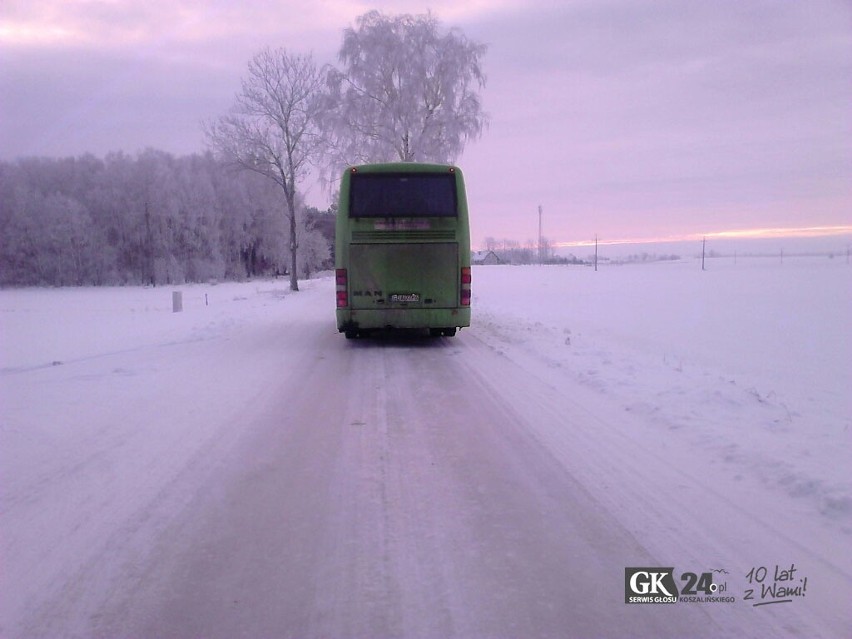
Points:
[[355, 320]]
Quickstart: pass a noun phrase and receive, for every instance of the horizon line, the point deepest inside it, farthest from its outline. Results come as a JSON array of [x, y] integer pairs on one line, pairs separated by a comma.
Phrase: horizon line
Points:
[[741, 234]]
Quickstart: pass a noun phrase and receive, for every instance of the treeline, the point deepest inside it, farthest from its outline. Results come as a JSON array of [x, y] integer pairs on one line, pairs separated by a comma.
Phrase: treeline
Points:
[[513, 252], [151, 218]]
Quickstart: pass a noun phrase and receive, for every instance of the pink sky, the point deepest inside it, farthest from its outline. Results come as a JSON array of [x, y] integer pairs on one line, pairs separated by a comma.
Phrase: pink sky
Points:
[[620, 118]]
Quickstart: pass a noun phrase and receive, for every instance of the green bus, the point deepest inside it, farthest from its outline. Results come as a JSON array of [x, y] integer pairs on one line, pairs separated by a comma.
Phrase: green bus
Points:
[[402, 249]]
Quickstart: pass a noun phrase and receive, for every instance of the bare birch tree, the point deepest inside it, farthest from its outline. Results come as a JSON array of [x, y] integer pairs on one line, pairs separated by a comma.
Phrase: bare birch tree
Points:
[[408, 91], [273, 128]]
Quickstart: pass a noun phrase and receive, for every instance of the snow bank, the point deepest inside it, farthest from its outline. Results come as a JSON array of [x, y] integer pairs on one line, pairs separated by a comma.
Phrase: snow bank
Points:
[[748, 361]]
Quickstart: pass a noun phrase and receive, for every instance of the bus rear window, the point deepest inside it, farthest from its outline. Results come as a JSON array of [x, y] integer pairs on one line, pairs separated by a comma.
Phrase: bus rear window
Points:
[[402, 195]]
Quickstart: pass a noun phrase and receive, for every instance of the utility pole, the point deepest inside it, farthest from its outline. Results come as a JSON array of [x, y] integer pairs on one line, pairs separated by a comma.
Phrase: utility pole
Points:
[[703, 247], [596, 252], [540, 254]]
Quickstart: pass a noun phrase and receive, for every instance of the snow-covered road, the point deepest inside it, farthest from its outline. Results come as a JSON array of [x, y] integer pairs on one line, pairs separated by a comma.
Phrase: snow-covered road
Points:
[[251, 473]]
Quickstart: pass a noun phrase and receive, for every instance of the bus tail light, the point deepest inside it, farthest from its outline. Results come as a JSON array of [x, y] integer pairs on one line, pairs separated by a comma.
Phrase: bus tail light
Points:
[[341, 280], [465, 286]]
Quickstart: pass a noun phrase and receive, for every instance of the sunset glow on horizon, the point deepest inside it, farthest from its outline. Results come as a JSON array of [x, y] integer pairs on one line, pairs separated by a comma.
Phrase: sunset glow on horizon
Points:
[[738, 234], [636, 122]]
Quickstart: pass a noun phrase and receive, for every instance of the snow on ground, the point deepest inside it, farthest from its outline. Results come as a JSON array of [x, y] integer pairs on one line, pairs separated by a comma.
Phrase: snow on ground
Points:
[[741, 371], [749, 361], [107, 399], [48, 326]]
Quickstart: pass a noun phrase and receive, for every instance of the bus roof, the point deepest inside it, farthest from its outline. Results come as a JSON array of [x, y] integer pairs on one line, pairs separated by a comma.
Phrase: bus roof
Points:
[[403, 167]]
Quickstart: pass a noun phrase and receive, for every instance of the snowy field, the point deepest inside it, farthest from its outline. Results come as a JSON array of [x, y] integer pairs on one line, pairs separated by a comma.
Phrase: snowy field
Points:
[[750, 361], [116, 411]]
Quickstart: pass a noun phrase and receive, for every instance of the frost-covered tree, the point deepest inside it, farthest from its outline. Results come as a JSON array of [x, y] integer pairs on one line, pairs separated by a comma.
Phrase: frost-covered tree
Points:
[[408, 91], [151, 218], [274, 127], [315, 249]]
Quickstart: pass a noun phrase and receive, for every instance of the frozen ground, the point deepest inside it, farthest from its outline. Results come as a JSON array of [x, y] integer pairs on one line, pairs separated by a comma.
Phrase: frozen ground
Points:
[[750, 361], [241, 469]]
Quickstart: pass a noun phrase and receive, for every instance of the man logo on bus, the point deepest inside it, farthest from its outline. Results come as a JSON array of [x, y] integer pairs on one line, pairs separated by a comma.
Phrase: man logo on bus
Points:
[[649, 585]]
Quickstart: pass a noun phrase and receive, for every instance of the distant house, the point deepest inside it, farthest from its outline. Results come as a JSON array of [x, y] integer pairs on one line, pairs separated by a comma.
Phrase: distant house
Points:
[[485, 257]]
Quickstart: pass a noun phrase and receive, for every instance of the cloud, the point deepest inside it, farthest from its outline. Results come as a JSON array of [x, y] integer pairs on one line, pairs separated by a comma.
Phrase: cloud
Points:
[[613, 114], [83, 75], [119, 24], [622, 114]]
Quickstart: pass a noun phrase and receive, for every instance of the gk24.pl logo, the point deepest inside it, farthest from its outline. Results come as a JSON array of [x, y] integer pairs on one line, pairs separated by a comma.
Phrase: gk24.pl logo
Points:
[[649, 585], [658, 586]]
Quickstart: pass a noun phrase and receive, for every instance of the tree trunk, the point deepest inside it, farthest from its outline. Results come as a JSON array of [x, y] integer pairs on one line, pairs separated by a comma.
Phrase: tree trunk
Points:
[[294, 245]]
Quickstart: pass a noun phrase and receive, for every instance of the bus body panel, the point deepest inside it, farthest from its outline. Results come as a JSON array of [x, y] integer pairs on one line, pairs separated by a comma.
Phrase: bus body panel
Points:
[[423, 275], [402, 272]]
